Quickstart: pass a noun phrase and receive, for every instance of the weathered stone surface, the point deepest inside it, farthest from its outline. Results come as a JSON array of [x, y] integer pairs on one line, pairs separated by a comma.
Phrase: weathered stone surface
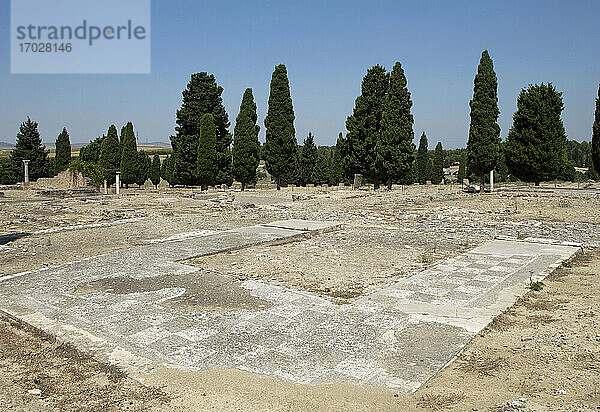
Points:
[[140, 308]]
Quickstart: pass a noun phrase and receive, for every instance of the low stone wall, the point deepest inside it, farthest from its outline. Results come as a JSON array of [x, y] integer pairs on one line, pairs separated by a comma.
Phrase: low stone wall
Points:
[[65, 180]]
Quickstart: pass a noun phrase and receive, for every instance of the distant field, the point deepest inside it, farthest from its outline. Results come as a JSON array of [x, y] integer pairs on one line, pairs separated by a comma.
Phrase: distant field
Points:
[[75, 151]]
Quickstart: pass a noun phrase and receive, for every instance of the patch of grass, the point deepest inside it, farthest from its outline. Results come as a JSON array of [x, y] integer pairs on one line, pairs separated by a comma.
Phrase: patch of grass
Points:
[[425, 257], [567, 264], [438, 402], [541, 319], [501, 323], [543, 304], [481, 366], [536, 286]]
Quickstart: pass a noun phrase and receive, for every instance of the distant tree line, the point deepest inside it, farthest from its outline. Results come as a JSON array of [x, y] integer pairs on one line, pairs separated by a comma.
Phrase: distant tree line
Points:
[[378, 143], [110, 153]]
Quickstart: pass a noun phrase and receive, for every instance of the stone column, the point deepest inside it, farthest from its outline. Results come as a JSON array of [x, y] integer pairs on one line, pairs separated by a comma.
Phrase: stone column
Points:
[[105, 187], [357, 181], [26, 165], [491, 180], [118, 182]]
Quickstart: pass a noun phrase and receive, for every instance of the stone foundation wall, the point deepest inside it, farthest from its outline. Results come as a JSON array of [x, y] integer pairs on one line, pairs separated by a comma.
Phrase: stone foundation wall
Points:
[[64, 180]]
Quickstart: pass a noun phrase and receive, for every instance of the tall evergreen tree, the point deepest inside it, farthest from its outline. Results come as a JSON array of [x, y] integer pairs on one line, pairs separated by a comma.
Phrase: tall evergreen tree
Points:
[[536, 143], [307, 160], [365, 126], [167, 170], [155, 171], [437, 174], [163, 168], [143, 167], [337, 170], [395, 148], [62, 157], [323, 170], [280, 144], [483, 146], [501, 170], [202, 95], [246, 146], [596, 138], [110, 155], [462, 168], [423, 164], [91, 152], [29, 147], [129, 158], [206, 162]]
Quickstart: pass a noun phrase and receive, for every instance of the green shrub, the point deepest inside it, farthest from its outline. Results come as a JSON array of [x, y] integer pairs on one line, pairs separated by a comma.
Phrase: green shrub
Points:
[[90, 170]]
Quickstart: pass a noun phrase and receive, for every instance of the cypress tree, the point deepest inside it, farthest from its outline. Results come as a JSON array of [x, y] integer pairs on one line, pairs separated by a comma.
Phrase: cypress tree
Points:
[[337, 171], [322, 173], [483, 146], [280, 148], [536, 143], [246, 146], [167, 170], [110, 156], [155, 170], [307, 160], [62, 156], [423, 164], [144, 163], [202, 95], [291, 175], [129, 158], [462, 167], [501, 170], [206, 161], [163, 168], [596, 139], [365, 126], [91, 152], [29, 147], [437, 174], [395, 148]]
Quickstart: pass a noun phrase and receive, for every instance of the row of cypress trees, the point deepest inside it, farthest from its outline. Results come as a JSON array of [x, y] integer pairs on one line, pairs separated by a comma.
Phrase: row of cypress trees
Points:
[[111, 153], [202, 153], [380, 132], [426, 168]]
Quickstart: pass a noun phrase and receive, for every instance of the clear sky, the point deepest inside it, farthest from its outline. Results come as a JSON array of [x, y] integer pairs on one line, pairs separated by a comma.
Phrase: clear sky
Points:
[[327, 47]]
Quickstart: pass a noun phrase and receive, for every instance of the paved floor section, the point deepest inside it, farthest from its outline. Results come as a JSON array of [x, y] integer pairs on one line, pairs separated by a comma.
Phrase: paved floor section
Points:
[[140, 308]]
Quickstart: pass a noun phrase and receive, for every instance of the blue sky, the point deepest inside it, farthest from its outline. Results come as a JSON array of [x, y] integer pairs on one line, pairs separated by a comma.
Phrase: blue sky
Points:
[[327, 47]]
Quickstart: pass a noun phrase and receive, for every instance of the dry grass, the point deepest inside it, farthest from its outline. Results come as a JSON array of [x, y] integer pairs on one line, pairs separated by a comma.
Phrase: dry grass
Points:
[[502, 322], [481, 366], [438, 402], [543, 304], [541, 319]]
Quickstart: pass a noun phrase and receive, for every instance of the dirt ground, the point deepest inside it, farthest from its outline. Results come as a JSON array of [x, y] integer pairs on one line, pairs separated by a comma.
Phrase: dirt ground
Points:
[[545, 349]]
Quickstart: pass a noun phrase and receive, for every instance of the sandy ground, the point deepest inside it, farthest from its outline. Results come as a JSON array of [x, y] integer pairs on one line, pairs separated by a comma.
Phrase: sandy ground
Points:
[[341, 264], [39, 374], [544, 349]]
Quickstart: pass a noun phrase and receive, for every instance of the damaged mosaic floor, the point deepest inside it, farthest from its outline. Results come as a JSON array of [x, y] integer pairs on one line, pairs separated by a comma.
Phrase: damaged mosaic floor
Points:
[[140, 309]]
